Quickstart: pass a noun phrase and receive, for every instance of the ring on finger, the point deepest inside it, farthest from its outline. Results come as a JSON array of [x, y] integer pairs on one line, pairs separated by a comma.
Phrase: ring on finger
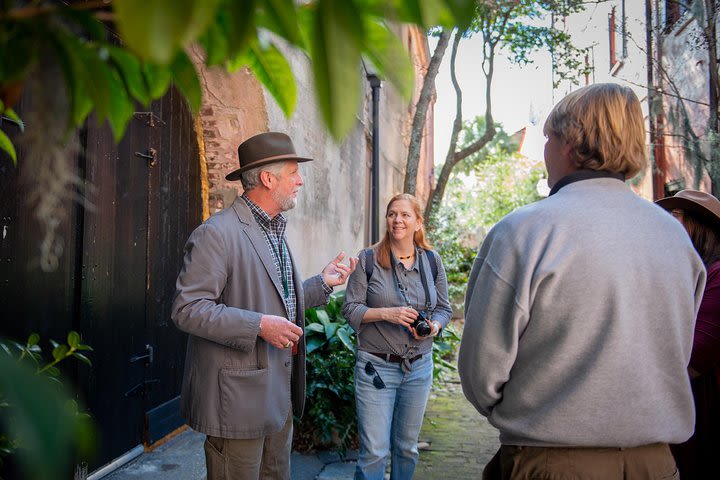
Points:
[[288, 344]]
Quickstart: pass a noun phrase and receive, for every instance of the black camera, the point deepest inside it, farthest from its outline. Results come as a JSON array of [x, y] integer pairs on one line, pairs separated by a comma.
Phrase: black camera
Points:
[[422, 324]]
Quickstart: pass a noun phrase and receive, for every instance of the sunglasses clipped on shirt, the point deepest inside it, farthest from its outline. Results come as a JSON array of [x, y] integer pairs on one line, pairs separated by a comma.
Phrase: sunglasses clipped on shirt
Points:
[[377, 381]]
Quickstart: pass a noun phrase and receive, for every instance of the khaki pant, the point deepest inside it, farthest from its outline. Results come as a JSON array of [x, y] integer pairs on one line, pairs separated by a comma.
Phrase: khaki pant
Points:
[[554, 463], [266, 458]]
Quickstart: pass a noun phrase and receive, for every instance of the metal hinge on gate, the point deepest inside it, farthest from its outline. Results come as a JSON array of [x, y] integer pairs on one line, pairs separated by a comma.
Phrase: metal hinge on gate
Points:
[[152, 119], [141, 389]]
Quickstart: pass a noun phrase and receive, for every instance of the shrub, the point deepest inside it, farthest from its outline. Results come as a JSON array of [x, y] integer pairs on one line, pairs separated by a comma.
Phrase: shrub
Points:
[[330, 419], [42, 428]]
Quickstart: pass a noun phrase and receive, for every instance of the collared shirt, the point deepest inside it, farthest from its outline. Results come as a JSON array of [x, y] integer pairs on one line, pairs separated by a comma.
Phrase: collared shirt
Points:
[[584, 174], [274, 230], [382, 291]]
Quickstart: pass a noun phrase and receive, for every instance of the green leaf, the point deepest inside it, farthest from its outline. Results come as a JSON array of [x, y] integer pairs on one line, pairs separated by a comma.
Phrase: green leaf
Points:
[[91, 74], [240, 18], [313, 343], [426, 13], [73, 339], [80, 103], [187, 81], [330, 329], [7, 146], [335, 51], [84, 347], [387, 53], [53, 372], [323, 317], [334, 308], [72, 406], [157, 30], [311, 315], [90, 25], [121, 106], [131, 72], [314, 327], [282, 19], [60, 352], [345, 335], [82, 358], [33, 339], [215, 44], [41, 420], [272, 70], [158, 79], [10, 113]]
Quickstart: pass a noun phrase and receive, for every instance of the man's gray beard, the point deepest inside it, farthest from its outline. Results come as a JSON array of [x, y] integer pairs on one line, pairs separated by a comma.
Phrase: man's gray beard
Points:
[[287, 203]]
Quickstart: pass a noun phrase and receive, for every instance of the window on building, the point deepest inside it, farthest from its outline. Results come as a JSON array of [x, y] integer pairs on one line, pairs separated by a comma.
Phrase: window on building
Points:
[[617, 36]]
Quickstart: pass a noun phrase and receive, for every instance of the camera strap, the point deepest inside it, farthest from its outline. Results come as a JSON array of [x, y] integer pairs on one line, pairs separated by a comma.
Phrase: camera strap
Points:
[[423, 278]]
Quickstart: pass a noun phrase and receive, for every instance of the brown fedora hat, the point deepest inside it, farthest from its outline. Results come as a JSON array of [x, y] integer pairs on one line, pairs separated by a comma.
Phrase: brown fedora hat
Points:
[[264, 148], [701, 203]]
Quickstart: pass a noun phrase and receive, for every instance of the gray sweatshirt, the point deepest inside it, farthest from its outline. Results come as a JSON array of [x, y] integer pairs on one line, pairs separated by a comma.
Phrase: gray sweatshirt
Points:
[[579, 321]]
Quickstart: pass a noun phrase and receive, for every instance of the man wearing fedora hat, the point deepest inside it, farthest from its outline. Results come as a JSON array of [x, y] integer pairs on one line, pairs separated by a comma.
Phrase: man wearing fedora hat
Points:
[[241, 300]]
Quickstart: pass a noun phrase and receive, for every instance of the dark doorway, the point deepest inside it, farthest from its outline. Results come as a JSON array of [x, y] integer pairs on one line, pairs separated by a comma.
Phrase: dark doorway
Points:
[[115, 281]]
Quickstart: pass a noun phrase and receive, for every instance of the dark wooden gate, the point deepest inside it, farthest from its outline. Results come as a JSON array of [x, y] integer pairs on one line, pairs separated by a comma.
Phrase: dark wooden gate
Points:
[[115, 283]]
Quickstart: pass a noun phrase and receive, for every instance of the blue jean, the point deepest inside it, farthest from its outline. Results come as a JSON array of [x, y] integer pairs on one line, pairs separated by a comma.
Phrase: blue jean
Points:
[[389, 419]]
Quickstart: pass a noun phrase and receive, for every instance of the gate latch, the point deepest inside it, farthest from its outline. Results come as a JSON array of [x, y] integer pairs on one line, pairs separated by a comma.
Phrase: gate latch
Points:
[[151, 156], [149, 356]]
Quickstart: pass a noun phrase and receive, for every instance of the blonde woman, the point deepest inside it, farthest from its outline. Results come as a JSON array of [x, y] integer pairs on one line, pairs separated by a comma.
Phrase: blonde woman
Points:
[[397, 302]]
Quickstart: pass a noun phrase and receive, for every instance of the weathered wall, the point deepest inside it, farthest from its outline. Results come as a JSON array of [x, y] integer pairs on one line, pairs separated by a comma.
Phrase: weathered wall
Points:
[[330, 215], [686, 66], [233, 109], [333, 206]]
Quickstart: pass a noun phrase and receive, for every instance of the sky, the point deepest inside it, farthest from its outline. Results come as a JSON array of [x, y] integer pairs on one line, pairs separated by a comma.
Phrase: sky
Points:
[[521, 95]]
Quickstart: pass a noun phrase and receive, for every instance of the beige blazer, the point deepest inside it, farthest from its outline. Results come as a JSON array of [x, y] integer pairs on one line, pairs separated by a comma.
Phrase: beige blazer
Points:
[[235, 384]]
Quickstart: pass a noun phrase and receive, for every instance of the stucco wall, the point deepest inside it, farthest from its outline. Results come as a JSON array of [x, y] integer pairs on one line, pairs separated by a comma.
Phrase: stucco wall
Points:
[[333, 207], [330, 215], [686, 65]]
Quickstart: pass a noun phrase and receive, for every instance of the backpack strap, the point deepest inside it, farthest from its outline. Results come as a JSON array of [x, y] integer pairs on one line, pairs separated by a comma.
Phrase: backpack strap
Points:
[[433, 264], [369, 263]]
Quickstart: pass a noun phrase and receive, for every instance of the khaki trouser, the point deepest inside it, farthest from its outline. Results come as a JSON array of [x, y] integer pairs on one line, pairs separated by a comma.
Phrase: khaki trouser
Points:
[[266, 458], [554, 463]]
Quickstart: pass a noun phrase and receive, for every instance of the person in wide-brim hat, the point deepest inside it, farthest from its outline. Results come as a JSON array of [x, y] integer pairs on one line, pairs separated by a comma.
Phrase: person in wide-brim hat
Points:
[[699, 212], [702, 204], [263, 149]]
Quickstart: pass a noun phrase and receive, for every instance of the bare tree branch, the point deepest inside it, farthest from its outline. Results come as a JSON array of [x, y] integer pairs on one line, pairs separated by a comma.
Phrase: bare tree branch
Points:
[[418, 125]]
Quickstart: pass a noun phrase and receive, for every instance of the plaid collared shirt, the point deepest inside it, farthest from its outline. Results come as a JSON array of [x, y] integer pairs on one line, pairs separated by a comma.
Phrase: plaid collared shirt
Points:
[[274, 230]]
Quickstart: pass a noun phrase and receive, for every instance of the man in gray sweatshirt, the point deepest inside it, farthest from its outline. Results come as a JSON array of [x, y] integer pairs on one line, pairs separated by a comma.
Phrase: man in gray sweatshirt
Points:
[[580, 310]]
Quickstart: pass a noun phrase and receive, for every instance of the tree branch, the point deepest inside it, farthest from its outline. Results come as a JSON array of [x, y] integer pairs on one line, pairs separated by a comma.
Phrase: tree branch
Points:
[[420, 117]]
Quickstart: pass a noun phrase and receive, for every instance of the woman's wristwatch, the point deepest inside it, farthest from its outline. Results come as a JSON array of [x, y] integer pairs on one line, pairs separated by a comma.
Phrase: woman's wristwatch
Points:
[[438, 327]]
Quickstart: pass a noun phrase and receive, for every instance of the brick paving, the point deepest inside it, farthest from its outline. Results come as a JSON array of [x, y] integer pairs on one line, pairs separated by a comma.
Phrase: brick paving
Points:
[[461, 441]]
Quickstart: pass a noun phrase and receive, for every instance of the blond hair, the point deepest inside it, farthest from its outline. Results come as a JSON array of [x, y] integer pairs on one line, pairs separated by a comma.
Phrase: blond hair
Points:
[[604, 126], [383, 246]]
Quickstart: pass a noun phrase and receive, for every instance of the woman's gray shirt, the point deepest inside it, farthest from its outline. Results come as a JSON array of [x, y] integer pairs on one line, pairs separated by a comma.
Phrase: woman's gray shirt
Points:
[[381, 291]]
